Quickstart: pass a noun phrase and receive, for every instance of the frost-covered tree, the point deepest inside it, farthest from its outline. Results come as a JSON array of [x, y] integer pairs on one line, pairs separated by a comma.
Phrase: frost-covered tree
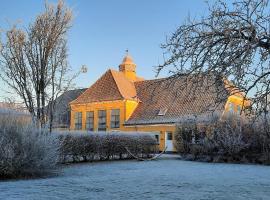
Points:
[[232, 41], [33, 60]]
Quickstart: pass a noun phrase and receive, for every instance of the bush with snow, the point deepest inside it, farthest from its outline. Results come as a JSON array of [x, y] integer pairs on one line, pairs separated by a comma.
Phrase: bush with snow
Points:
[[25, 151], [228, 140], [89, 146]]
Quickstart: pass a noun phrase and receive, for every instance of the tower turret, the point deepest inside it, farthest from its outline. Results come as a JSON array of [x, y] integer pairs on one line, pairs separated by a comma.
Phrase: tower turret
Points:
[[128, 67]]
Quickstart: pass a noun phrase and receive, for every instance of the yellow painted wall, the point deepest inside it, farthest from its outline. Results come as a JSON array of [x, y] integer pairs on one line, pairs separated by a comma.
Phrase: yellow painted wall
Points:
[[108, 106], [235, 100], [161, 129], [127, 107], [130, 107], [130, 75]]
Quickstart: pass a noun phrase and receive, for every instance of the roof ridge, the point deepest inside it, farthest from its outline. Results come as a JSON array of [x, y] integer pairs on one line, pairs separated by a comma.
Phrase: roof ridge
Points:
[[155, 79], [89, 88], [114, 74], [75, 89]]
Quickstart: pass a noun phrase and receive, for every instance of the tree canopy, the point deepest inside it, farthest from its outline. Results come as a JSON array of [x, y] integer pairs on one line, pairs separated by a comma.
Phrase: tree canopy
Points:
[[33, 60], [232, 41]]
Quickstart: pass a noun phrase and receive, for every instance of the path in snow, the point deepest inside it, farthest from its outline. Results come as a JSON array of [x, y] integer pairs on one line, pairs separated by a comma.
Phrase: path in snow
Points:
[[162, 179]]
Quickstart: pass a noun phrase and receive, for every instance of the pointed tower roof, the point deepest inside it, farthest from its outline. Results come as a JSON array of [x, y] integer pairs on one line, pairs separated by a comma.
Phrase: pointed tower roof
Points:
[[127, 63], [127, 60]]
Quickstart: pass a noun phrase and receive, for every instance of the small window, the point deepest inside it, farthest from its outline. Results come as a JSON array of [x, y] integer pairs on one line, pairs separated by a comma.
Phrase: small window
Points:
[[239, 109], [102, 120], [157, 138], [78, 120], [169, 136], [231, 107], [115, 118], [162, 111], [89, 121]]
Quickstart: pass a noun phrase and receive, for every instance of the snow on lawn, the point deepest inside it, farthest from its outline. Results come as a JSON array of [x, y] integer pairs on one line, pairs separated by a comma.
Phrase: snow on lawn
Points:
[[162, 179]]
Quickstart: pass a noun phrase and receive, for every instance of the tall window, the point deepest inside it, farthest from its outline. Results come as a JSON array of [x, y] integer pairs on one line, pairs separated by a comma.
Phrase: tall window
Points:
[[78, 120], [169, 136], [157, 138], [231, 107], [102, 120], [89, 121], [239, 109], [115, 118]]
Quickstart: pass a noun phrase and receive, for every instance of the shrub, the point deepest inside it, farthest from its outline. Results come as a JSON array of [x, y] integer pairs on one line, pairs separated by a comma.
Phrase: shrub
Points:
[[259, 140], [25, 151], [188, 136], [225, 139], [227, 136], [86, 146], [182, 139]]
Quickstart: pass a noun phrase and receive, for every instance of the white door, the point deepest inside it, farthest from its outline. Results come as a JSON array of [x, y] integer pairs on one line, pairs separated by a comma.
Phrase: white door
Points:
[[169, 141]]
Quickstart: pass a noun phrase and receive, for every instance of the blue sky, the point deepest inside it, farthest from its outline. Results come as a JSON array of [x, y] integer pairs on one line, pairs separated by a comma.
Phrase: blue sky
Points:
[[103, 29]]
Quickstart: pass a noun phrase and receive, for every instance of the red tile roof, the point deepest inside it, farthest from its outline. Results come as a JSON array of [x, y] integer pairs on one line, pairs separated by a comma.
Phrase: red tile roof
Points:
[[125, 87], [109, 87], [179, 98]]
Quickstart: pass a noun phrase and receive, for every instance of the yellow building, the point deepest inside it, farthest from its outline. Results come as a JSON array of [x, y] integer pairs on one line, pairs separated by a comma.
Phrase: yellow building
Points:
[[120, 100]]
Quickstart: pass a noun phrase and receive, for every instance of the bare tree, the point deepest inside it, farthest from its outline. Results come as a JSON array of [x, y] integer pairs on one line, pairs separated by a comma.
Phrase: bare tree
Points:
[[33, 61], [231, 42]]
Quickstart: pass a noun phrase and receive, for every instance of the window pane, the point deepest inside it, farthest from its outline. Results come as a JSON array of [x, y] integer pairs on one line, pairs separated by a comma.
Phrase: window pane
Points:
[[231, 107], [115, 118], [169, 135], [78, 120], [157, 138], [238, 109], [89, 121], [115, 111], [89, 114], [102, 120]]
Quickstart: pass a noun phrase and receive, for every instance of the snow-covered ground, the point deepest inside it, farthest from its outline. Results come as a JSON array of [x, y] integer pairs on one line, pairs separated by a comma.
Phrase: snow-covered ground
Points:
[[167, 178]]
